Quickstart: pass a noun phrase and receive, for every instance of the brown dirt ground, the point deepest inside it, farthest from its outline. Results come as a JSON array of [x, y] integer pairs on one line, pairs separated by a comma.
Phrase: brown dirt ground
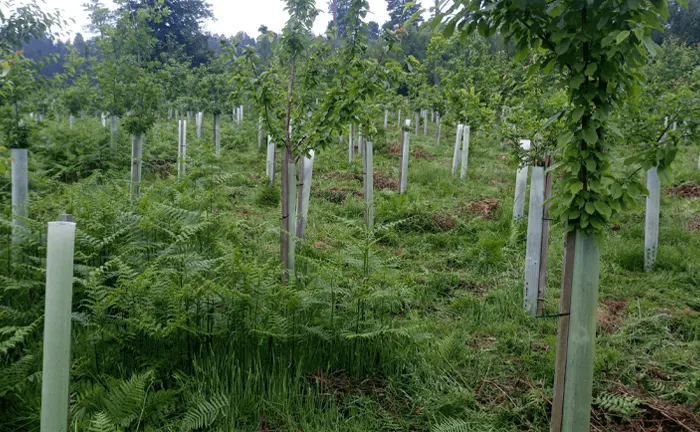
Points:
[[485, 207], [686, 190], [610, 314]]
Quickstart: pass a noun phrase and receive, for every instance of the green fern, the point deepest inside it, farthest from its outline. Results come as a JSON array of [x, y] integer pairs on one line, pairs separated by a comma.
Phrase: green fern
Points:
[[102, 423], [622, 405], [204, 413], [454, 425]]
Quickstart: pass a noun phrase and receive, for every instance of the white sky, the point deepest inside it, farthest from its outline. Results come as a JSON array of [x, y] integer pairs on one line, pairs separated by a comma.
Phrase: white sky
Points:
[[231, 16]]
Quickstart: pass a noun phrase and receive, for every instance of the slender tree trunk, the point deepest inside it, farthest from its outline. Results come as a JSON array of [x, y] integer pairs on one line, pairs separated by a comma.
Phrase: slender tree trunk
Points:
[[573, 382]]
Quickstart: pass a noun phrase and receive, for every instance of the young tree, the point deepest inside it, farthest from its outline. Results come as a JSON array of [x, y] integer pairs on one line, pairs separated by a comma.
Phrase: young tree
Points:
[[599, 46]]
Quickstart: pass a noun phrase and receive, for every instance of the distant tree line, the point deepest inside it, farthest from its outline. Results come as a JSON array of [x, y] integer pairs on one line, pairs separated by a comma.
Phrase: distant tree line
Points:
[[181, 33]]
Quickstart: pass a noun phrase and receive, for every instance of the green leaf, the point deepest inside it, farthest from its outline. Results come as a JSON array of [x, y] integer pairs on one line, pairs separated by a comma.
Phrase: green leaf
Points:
[[523, 51], [590, 135], [449, 29], [591, 164], [603, 208], [616, 190], [590, 207], [574, 214], [483, 27], [651, 46], [577, 114], [590, 69], [576, 81], [622, 36], [556, 9], [562, 46], [576, 187]]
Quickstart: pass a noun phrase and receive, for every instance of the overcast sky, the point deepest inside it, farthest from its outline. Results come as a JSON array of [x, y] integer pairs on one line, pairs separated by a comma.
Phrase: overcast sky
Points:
[[232, 16]]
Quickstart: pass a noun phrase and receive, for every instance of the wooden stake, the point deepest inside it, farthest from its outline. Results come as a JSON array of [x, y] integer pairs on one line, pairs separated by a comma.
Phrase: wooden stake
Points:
[[563, 333]]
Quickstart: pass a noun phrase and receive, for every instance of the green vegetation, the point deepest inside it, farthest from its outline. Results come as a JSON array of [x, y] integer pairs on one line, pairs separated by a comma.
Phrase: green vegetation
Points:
[[182, 319]]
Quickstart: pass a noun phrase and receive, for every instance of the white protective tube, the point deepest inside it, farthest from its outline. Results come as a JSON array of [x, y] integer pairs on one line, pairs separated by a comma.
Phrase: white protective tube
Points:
[[57, 327], [136, 163], [465, 152], [20, 192], [404, 158], [521, 187], [457, 150], [651, 230], [307, 172]]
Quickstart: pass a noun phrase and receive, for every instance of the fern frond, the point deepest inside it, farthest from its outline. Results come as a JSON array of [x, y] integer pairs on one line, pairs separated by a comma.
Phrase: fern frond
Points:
[[622, 405], [204, 413]]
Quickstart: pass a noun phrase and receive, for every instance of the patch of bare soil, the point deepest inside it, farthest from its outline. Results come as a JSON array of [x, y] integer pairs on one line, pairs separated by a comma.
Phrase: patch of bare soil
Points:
[[694, 223], [610, 314], [342, 387], [395, 149], [243, 213], [322, 244], [444, 221], [419, 153], [383, 181], [485, 207], [498, 182], [338, 194], [503, 157], [469, 286], [345, 176], [686, 190]]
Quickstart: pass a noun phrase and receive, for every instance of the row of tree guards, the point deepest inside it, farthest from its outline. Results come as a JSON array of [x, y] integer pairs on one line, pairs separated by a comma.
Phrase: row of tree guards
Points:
[[580, 288]]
